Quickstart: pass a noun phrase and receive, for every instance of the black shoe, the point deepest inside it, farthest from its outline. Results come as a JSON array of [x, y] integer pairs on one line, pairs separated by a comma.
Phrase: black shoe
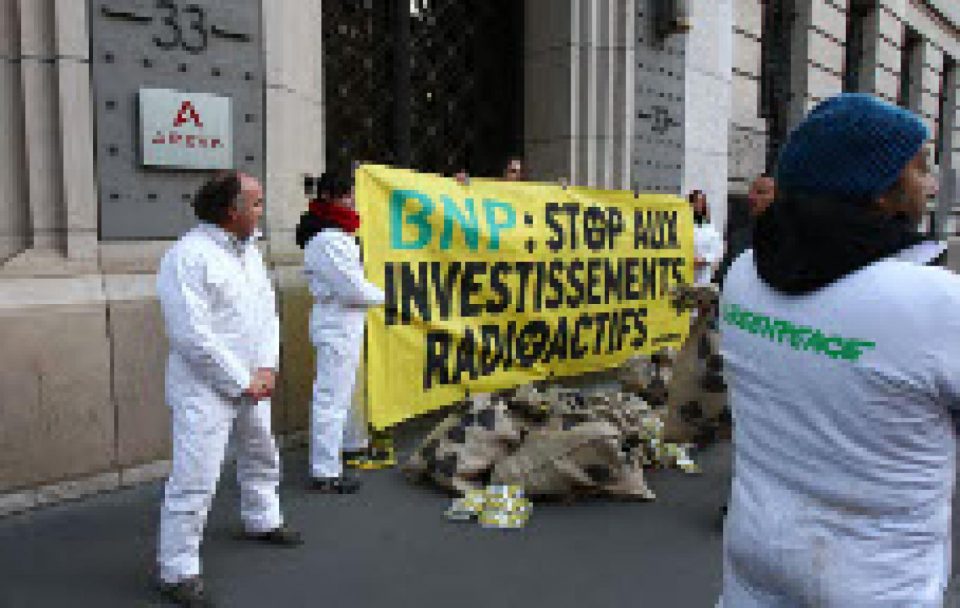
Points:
[[283, 536], [188, 592], [336, 485]]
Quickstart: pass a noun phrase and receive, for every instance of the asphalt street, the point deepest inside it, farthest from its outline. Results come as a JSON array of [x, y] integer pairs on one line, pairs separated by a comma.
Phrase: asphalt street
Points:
[[388, 547]]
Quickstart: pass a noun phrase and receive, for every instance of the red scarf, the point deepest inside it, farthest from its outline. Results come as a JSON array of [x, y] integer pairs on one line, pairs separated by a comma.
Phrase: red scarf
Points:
[[344, 218]]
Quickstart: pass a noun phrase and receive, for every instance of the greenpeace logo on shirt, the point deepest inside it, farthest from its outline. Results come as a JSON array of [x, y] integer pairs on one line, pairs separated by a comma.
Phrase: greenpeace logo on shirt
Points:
[[797, 337]]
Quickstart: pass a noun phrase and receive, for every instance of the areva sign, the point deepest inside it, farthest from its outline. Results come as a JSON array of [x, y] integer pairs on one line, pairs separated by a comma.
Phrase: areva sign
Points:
[[185, 130]]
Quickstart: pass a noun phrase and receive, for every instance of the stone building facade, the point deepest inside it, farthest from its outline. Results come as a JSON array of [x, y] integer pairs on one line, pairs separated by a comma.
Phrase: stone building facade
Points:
[[597, 92], [905, 51]]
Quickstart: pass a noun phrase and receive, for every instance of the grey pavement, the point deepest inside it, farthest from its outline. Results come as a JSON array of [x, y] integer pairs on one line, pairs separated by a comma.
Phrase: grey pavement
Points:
[[388, 547]]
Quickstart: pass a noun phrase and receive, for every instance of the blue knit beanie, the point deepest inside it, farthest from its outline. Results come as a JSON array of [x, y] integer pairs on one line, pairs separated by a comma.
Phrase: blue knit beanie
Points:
[[853, 145]]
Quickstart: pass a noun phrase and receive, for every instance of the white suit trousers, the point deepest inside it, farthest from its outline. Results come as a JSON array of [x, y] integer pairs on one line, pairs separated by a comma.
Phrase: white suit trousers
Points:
[[200, 436], [355, 435], [334, 423]]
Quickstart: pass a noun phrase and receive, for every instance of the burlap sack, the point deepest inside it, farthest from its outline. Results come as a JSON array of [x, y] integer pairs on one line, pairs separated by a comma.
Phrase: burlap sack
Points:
[[418, 465], [649, 377], [630, 483], [565, 459], [462, 450], [555, 442], [696, 408]]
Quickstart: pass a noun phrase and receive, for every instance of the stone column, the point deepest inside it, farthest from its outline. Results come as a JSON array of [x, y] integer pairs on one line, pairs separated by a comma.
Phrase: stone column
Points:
[[75, 124], [580, 66], [294, 115], [550, 82], [14, 206], [708, 104], [295, 148], [41, 101], [604, 96], [50, 203]]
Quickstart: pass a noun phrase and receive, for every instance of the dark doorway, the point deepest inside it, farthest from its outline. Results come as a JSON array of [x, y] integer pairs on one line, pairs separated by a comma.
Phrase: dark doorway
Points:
[[433, 85]]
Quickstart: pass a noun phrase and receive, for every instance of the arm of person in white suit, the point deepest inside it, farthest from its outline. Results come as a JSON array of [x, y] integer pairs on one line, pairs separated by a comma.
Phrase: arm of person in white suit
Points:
[[333, 259], [707, 245], [187, 315], [715, 249], [268, 352]]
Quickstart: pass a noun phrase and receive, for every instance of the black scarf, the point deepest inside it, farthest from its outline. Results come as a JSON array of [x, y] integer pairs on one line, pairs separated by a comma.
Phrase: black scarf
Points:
[[322, 216], [804, 243]]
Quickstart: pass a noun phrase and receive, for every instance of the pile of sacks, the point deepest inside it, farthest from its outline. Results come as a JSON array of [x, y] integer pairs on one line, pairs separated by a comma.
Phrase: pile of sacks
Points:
[[562, 443], [552, 442]]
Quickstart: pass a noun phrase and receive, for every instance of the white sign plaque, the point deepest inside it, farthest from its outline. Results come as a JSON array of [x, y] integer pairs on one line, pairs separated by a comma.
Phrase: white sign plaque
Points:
[[185, 130]]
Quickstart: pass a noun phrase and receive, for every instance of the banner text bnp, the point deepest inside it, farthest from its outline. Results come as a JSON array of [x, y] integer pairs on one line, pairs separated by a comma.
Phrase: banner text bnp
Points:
[[496, 284]]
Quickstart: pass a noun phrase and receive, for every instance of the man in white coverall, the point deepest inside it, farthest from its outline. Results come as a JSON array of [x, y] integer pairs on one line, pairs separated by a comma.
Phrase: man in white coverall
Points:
[[840, 350], [221, 321], [341, 298]]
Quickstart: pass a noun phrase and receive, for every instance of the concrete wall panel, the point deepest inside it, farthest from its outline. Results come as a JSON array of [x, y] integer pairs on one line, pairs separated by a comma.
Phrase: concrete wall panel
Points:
[[297, 366], [821, 84], [139, 362], [747, 17], [829, 19], [58, 419], [826, 52], [931, 26]]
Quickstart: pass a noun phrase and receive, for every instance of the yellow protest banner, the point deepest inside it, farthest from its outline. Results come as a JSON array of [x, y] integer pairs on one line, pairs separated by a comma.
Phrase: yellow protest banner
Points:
[[496, 284]]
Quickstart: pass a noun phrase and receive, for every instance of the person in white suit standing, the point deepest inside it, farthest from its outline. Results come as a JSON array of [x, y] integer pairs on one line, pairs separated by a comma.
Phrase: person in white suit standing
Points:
[[221, 321], [707, 242], [342, 297]]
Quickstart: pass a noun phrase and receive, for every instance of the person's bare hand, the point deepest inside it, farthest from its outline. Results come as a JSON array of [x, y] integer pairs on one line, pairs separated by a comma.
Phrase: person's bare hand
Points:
[[462, 178], [269, 377], [261, 385], [256, 392]]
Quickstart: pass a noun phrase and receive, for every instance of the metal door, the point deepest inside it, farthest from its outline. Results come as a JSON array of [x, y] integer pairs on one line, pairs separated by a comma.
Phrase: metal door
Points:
[[435, 85]]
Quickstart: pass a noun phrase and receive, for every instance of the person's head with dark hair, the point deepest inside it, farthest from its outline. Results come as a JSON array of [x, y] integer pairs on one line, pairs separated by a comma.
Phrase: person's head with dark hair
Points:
[[334, 186], [333, 208], [231, 200], [514, 169], [852, 182], [762, 192], [698, 201]]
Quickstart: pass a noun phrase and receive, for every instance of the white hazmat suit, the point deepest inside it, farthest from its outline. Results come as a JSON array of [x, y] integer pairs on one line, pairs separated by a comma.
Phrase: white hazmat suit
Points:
[[342, 296], [221, 321], [708, 245], [844, 465]]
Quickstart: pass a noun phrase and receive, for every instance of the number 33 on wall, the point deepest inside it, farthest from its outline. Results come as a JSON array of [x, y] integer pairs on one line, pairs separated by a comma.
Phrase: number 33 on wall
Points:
[[174, 37]]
